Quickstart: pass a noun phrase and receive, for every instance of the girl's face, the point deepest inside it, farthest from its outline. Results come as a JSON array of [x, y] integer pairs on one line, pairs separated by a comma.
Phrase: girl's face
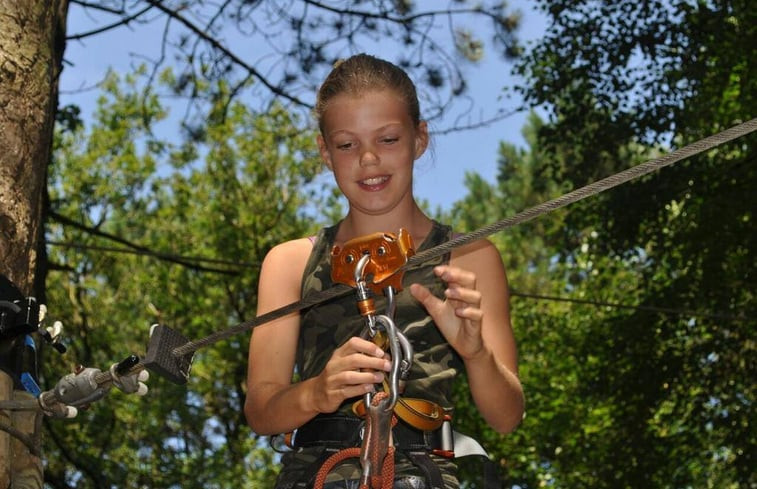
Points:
[[370, 143]]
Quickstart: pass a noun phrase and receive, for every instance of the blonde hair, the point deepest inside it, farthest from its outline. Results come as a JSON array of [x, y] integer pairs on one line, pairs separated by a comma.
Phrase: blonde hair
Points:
[[363, 72]]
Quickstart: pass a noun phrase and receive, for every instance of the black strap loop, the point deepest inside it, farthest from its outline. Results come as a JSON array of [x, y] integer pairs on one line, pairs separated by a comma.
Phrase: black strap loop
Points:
[[429, 469]]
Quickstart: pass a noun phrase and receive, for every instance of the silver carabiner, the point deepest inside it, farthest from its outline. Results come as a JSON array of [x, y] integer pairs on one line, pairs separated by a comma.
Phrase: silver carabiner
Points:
[[400, 348]]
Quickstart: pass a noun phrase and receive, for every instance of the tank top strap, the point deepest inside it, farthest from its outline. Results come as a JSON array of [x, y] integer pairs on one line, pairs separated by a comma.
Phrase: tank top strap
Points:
[[322, 244]]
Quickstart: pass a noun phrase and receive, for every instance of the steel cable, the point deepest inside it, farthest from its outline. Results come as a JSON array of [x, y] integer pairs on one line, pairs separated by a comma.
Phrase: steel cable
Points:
[[581, 193]]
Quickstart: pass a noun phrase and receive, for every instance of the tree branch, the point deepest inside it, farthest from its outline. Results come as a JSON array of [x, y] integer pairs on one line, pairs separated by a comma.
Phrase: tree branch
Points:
[[97, 6], [163, 256], [233, 57], [124, 21]]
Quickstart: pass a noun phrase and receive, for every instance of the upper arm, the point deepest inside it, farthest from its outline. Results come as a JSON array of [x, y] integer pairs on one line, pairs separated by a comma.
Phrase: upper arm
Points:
[[484, 260], [273, 344]]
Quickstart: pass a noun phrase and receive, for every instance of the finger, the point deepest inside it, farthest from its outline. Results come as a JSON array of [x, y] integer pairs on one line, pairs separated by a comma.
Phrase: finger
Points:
[[360, 361], [456, 275], [463, 295], [470, 313], [355, 377], [356, 390], [432, 303], [357, 344]]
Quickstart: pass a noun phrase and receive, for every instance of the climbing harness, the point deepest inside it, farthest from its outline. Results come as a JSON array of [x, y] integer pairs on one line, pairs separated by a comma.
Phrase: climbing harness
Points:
[[384, 422]]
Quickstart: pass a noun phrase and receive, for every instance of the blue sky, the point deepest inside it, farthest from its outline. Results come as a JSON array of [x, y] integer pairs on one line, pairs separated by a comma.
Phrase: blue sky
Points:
[[439, 176]]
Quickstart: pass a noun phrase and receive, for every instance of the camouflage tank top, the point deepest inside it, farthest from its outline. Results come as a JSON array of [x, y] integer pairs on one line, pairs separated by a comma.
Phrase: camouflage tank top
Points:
[[327, 326], [324, 328]]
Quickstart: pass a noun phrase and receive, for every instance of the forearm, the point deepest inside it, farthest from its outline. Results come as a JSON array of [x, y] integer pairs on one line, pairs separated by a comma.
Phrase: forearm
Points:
[[496, 391], [272, 408]]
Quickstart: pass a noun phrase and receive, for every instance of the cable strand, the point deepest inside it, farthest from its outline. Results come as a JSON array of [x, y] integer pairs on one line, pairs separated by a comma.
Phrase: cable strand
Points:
[[589, 190]]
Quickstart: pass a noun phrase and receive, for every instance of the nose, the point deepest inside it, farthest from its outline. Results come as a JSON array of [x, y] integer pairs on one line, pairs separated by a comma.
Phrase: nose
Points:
[[369, 158]]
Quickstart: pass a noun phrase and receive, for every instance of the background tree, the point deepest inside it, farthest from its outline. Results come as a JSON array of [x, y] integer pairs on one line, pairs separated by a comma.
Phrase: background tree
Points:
[[642, 397], [30, 58], [282, 50], [213, 73], [227, 198]]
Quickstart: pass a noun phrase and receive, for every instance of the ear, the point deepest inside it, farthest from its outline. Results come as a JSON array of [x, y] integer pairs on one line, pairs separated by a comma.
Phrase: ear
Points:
[[421, 139], [325, 154]]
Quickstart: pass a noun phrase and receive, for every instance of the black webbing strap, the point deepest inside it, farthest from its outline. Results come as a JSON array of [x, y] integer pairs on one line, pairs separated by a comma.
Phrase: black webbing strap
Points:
[[428, 467], [492, 479], [335, 432]]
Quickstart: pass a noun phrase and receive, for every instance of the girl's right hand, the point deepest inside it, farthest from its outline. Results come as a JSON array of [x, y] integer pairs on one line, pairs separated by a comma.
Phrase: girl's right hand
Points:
[[353, 370]]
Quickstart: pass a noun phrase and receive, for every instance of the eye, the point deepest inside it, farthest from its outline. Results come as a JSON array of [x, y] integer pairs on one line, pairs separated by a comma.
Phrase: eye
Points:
[[389, 139], [344, 146]]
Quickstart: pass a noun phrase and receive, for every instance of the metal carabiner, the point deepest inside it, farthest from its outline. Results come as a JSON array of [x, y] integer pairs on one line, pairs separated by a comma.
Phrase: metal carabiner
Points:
[[379, 407], [398, 360], [406, 348], [400, 349]]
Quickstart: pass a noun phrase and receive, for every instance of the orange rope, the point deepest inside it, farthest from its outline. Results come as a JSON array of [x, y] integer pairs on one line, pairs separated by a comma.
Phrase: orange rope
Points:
[[330, 463], [385, 480]]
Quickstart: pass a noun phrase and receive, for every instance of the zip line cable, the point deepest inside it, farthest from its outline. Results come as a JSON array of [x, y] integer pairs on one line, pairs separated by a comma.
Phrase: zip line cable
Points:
[[524, 216], [513, 292], [618, 305], [339, 290], [174, 258], [624, 176]]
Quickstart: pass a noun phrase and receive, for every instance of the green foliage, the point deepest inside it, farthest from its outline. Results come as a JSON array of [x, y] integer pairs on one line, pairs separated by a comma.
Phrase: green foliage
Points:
[[643, 377], [524, 180], [227, 197], [656, 394]]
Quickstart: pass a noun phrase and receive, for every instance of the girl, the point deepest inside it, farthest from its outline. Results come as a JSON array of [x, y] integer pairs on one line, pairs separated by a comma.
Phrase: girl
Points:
[[455, 313]]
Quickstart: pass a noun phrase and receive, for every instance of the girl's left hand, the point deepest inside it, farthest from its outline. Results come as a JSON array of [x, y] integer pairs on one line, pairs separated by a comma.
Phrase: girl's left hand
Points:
[[459, 316]]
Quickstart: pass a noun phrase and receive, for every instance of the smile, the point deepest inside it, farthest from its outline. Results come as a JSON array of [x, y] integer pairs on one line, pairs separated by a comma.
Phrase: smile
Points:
[[374, 181]]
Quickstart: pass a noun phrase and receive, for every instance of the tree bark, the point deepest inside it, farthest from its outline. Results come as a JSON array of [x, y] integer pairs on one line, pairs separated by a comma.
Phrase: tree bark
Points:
[[32, 40]]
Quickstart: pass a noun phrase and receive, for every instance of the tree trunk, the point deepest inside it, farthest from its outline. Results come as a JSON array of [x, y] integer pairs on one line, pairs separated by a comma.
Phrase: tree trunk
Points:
[[32, 39]]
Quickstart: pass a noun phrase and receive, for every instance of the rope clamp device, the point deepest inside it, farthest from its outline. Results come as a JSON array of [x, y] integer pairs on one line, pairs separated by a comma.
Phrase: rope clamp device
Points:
[[369, 264], [382, 330], [387, 253]]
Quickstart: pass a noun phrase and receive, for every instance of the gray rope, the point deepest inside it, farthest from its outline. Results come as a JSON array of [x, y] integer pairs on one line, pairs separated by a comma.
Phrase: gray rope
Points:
[[340, 290], [587, 191], [536, 211], [31, 442]]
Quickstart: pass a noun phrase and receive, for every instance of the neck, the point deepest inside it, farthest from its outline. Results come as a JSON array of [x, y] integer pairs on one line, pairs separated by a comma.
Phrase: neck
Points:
[[413, 221]]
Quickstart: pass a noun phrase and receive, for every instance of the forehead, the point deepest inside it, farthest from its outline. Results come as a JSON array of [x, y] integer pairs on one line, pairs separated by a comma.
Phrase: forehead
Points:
[[364, 110]]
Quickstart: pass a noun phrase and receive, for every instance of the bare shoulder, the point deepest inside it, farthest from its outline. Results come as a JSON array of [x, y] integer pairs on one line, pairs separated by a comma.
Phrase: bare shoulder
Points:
[[289, 252], [281, 272], [479, 255]]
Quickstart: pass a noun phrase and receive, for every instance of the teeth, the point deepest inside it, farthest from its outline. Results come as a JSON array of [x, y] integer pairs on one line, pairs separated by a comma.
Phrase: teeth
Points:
[[373, 181]]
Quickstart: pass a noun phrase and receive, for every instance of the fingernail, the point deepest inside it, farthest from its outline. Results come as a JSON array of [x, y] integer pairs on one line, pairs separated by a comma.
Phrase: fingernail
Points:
[[378, 378]]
